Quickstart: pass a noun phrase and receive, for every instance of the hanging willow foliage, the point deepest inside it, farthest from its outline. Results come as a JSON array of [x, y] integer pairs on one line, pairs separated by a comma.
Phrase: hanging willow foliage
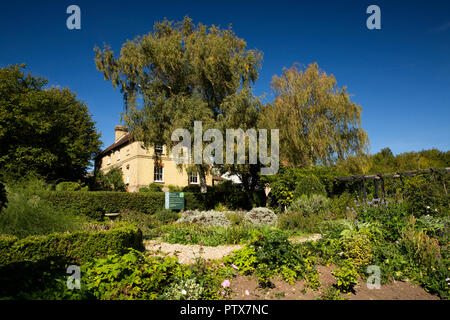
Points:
[[318, 123]]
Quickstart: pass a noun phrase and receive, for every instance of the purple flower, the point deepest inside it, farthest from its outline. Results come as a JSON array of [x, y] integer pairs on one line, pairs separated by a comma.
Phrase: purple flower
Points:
[[234, 266], [226, 283]]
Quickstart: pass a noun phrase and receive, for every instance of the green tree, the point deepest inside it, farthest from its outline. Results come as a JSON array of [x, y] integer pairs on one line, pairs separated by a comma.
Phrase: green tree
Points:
[[318, 123], [45, 131], [110, 181], [180, 73]]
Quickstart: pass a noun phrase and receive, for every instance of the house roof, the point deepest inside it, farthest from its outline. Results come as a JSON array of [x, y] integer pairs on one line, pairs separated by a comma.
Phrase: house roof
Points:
[[123, 140]]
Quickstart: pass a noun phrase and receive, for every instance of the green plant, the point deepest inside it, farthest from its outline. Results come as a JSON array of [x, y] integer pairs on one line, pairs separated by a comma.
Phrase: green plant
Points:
[[155, 187], [244, 259], [358, 248], [147, 223], [426, 195], [186, 289], [143, 189], [73, 247], [166, 216], [347, 277], [331, 293], [95, 203], [28, 214], [264, 273], [220, 207], [70, 186], [133, 275], [309, 185], [310, 205]]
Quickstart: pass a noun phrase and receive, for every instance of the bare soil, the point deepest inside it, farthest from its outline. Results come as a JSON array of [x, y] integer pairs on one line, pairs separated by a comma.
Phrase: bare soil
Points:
[[241, 285], [398, 290]]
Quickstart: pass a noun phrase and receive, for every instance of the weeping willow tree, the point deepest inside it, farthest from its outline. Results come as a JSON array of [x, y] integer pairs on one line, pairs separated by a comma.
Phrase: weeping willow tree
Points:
[[178, 74], [318, 123]]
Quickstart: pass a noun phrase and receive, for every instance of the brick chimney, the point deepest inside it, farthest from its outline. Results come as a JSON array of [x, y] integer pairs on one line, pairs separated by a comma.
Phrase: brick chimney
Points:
[[120, 132]]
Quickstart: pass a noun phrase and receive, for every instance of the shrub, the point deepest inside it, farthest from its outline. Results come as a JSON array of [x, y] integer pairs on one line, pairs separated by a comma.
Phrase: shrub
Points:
[[71, 247], [208, 236], [310, 205], [95, 204], [155, 187], [143, 189], [166, 216], [186, 289], [347, 277], [70, 186], [358, 248], [297, 221], [260, 217], [391, 217], [173, 188], [343, 204], [309, 185], [131, 276], [3, 197], [28, 214], [147, 223], [424, 195], [244, 259], [205, 218]]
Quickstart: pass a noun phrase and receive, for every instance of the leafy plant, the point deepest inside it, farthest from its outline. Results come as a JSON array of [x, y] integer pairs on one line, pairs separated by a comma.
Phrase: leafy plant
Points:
[[347, 277]]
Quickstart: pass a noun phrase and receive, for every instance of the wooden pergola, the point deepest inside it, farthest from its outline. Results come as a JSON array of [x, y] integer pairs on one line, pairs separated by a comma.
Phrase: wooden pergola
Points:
[[378, 180]]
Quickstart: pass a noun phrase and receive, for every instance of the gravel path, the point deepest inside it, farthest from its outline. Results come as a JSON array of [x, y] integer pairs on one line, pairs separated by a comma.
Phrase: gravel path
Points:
[[188, 253]]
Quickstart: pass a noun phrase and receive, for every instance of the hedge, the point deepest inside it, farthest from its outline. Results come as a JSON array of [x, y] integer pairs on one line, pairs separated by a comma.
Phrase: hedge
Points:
[[74, 247], [95, 204]]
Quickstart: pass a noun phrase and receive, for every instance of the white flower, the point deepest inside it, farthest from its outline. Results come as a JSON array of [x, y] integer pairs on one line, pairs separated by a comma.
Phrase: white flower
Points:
[[183, 292]]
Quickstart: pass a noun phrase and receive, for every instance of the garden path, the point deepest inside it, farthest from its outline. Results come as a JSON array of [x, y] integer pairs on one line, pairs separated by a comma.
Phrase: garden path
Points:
[[187, 254]]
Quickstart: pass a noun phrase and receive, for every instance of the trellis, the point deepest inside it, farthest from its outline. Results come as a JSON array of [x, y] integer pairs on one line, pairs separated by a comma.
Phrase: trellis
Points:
[[379, 180]]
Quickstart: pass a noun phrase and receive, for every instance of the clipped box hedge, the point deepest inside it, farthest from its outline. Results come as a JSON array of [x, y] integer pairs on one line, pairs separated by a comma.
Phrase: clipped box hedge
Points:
[[95, 204], [74, 247]]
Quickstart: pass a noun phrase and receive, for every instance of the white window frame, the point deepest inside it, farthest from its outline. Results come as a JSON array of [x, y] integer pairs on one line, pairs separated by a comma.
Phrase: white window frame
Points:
[[196, 178], [155, 174], [109, 159], [159, 147]]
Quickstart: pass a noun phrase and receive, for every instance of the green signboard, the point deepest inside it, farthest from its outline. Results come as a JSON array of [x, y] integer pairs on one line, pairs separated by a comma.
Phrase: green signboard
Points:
[[174, 200]]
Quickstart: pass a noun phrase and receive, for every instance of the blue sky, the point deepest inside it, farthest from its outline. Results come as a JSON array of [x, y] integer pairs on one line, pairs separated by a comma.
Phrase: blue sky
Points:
[[400, 75]]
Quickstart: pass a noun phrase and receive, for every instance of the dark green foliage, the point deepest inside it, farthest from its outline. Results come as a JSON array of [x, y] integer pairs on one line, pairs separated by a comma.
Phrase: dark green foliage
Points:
[[70, 186], [391, 217], [154, 187], [28, 214], [3, 197], [426, 195], [147, 223], [166, 216], [34, 280], [130, 276], [308, 185], [46, 131], [95, 204], [72, 247], [110, 181], [290, 183]]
